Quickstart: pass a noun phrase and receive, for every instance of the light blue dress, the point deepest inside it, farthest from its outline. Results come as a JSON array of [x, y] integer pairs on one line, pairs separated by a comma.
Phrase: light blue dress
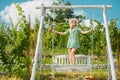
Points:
[[73, 41]]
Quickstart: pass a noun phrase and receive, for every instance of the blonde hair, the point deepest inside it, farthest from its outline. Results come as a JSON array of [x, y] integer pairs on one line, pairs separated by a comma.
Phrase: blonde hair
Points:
[[73, 19]]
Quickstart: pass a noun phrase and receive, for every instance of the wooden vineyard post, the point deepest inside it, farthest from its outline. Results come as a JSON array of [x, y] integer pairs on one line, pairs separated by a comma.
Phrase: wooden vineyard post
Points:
[[28, 50]]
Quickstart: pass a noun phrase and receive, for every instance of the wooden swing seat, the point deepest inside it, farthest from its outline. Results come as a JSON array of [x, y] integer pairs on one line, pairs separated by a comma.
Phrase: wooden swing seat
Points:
[[61, 64]]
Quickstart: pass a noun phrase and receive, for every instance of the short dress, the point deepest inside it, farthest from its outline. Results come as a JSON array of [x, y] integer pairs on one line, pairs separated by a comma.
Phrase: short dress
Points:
[[73, 41]]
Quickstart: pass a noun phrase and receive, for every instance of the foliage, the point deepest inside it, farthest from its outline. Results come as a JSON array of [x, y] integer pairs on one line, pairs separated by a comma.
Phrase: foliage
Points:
[[60, 15], [114, 34], [51, 40], [13, 45]]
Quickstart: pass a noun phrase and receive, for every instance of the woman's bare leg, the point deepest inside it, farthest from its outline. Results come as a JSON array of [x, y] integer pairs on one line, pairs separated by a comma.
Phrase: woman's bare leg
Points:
[[73, 55], [70, 58]]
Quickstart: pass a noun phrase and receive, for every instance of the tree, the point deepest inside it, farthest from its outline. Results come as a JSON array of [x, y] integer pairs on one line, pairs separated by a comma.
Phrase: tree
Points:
[[68, 12], [61, 14]]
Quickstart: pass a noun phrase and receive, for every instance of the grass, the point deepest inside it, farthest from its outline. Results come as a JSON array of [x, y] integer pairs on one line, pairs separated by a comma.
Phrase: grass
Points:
[[46, 75], [55, 51], [9, 78], [97, 74]]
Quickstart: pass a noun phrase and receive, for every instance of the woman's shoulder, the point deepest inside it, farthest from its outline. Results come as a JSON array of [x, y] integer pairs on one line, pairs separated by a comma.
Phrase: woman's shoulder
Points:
[[78, 28], [68, 30]]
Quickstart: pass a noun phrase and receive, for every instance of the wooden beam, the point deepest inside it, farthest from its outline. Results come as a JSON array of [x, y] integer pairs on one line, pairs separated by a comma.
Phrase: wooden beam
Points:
[[74, 6]]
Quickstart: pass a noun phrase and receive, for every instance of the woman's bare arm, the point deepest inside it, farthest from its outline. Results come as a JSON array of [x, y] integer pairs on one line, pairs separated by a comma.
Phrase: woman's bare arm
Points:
[[62, 33], [85, 32]]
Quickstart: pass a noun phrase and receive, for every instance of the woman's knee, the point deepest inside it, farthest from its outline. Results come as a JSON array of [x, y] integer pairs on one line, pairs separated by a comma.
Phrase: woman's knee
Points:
[[74, 50]]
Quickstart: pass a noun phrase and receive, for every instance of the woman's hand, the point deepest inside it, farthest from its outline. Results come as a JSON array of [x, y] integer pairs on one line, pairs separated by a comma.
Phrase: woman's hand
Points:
[[91, 29], [54, 31]]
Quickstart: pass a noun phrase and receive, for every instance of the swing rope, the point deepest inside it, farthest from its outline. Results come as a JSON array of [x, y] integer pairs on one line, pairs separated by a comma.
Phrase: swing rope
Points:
[[52, 28], [92, 39]]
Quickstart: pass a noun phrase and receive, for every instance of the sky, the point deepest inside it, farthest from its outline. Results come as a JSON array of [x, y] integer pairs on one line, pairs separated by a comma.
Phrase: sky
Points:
[[8, 9]]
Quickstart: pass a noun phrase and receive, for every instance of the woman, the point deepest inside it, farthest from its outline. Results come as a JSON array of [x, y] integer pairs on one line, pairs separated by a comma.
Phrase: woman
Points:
[[73, 42]]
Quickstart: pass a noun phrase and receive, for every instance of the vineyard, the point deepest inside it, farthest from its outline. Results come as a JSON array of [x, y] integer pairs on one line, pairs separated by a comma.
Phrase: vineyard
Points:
[[18, 44]]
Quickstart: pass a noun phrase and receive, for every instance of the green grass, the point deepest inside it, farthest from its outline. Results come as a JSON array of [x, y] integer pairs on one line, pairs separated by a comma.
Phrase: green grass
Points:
[[97, 74], [99, 61], [9, 78], [47, 61], [55, 51]]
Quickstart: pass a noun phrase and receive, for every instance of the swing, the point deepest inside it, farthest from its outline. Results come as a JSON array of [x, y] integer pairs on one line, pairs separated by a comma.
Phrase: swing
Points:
[[38, 51]]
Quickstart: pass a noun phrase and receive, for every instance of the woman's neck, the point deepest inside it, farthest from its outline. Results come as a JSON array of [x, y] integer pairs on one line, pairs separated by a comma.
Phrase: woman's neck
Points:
[[72, 27]]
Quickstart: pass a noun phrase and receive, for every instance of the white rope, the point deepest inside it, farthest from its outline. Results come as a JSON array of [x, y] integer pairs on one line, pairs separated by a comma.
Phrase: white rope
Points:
[[52, 27], [92, 46]]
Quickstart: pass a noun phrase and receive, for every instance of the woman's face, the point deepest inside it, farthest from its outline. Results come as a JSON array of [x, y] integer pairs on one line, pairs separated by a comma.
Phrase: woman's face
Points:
[[73, 23]]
